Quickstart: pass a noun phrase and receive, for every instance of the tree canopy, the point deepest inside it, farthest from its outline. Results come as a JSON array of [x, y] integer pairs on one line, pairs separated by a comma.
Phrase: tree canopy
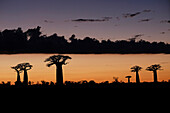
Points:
[[154, 67], [33, 41]]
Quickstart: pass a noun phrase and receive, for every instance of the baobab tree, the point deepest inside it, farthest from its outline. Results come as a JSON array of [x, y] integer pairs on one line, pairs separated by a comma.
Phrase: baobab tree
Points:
[[136, 69], [17, 69], [59, 61], [154, 68], [25, 67], [128, 77]]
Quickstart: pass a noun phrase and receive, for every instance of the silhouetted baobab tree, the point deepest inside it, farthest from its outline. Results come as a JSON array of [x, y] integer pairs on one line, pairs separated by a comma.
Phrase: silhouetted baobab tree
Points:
[[25, 67], [154, 68], [58, 60], [17, 69], [136, 69], [128, 77]]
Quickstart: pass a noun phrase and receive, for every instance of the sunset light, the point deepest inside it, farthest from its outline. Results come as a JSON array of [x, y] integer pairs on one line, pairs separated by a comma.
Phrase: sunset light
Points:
[[85, 43]]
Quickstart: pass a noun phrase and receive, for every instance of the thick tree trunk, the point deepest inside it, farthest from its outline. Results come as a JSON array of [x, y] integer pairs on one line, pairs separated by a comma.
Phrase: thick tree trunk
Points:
[[18, 77], [155, 76], [59, 74], [18, 82], [128, 80], [25, 82], [137, 77]]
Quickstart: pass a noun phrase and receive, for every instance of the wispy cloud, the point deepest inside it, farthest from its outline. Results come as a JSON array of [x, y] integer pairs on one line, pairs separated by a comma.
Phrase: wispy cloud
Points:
[[88, 20], [135, 37], [145, 20], [48, 21], [139, 35], [165, 21], [92, 20], [162, 33], [130, 15], [147, 11], [107, 18]]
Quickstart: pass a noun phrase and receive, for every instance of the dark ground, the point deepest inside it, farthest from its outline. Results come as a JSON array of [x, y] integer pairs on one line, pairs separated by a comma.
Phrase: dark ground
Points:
[[93, 85]]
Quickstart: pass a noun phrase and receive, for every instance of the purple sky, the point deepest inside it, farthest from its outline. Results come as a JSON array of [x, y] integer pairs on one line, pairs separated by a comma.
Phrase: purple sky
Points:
[[100, 19]]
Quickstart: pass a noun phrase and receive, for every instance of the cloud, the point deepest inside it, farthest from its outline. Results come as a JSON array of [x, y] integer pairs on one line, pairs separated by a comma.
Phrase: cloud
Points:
[[48, 21], [88, 20], [162, 33], [147, 11], [145, 20], [135, 37], [165, 21], [93, 20], [117, 18], [107, 18], [130, 15], [139, 35]]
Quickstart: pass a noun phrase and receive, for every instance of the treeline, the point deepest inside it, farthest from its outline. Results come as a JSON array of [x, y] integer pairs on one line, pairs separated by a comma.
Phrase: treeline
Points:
[[33, 41], [88, 84]]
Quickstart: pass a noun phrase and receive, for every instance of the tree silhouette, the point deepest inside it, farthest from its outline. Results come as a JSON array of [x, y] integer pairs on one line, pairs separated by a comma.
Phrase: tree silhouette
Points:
[[58, 60], [116, 79], [34, 41], [25, 67], [154, 68], [128, 77], [34, 34], [136, 69], [17, 69]]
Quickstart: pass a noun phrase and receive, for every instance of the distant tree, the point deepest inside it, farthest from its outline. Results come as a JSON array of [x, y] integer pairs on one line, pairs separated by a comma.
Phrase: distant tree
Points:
[[59, 61], [52, 83], [128, 77], [33, 41], [34, 34], [154, 68], [133, 40], [13, 40], [136, 69], [116, 79], [17, 69], [25, 67], [73, 39]]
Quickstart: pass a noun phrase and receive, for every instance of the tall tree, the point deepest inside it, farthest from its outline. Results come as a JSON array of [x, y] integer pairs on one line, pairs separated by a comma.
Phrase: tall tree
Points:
[[59, 61], [25, 67], [17, 69], [154, 68], [136, 69]]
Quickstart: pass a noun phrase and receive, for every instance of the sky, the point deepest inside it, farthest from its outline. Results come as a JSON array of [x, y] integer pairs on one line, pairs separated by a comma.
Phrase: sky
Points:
[[100, 19], [99, 68]]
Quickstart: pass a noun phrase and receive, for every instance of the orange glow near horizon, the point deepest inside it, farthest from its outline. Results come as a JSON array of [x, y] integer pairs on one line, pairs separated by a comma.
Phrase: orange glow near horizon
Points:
[[86, 67]]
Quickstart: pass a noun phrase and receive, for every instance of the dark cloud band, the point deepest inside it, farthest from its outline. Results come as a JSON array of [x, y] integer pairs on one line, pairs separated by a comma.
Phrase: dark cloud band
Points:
[[93, 20]]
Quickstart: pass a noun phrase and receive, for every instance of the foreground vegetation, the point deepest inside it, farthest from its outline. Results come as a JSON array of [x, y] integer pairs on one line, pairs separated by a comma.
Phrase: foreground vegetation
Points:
[[90, 84]]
